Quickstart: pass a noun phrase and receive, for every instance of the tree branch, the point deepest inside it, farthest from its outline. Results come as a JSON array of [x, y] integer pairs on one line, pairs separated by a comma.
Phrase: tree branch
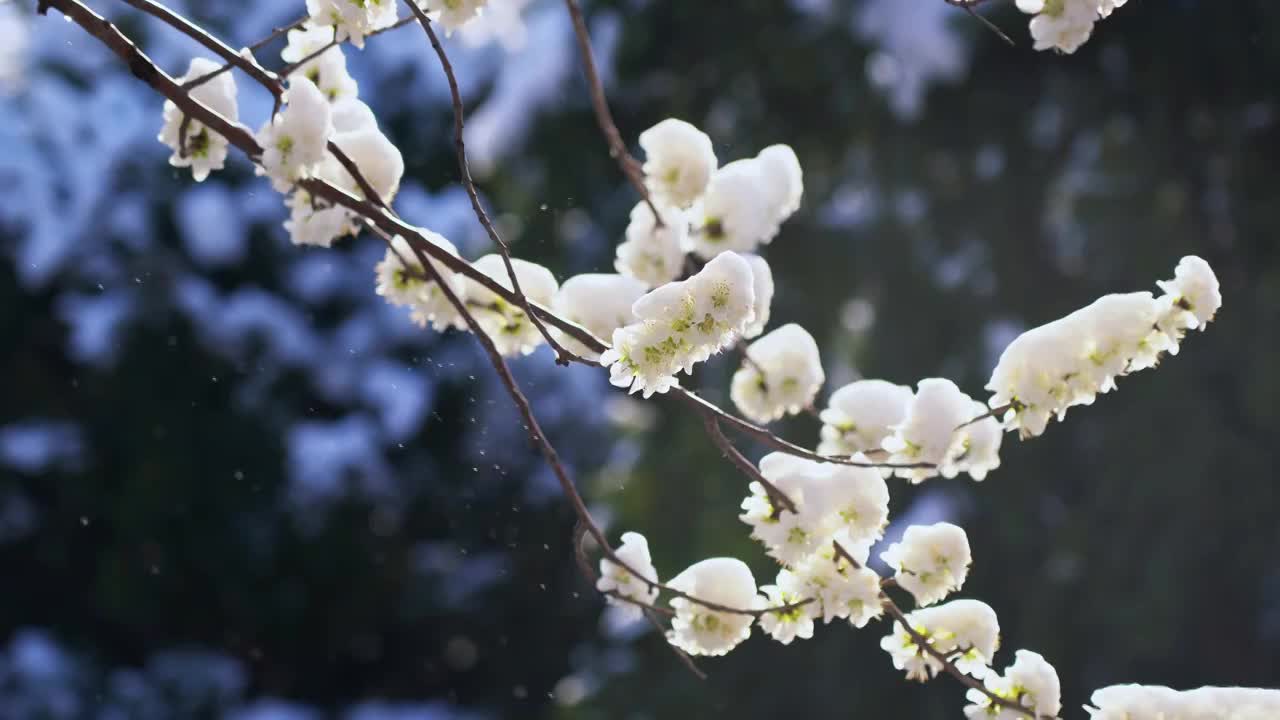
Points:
[[631, 167], [923, 645], [777, 498], [563, 357], [269, 80]]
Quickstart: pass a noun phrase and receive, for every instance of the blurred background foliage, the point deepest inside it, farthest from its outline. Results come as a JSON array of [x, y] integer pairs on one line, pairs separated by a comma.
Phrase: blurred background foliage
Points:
[[234, 484]]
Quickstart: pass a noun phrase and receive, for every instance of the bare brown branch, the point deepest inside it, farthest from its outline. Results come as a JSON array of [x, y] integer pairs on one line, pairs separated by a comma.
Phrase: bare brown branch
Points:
[[563, 357], [631, 167], [777, 498]]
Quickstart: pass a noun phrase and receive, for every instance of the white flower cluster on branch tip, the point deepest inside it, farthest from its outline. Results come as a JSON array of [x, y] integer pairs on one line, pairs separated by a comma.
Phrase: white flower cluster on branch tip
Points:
[[1069, 361], [1152, 702], [966, 630], [1030, 682], [294, 141], [701, 630], [832, 502], [351, 20], [681, 324], [1065, 25], [621, 586], [781, 374], [931, 561], [327, 69], [818, 517]]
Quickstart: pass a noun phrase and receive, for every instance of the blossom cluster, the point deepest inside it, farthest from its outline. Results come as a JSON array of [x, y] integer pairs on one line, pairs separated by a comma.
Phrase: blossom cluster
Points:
[[1030, 682], [1069, 361], [936, 430], [966, 630], [830, 505], [403, 281], [1152, 702], [781, 374], [628, 588], [931, 561], [1065, 25], [736, 207], [681, 324], [352, 20]]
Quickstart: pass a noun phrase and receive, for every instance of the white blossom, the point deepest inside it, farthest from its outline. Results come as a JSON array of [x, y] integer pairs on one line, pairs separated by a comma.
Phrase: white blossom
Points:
[[762, 277], [860, 415], [679, 160], [699, 630], [294, 140], [781, 374], [1106, 7], [789, 536], [407, 285], [681, 324], [651, 254], [634, 551], [831, 502], [378, 160], [1062, 25], [351, 114], [453, 14], [506, 323], [975, 448], [314, 222], [1191, 298], [859, 499], [784, 181], [352, 19], [969, 627], [328, 69], [204, 150], [747, 201], [1153, 702], [931, 561], [840, 589], [600, 303], [928, 431], [1030, 682], [314, 225], [789, 624], [735, 213]]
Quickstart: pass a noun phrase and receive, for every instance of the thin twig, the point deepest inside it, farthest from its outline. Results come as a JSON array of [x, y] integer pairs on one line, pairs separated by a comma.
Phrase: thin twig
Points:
[[563, 357], [969, 5], [992, 413], [289, 68], [631, 167], [268, 79], [656, 621], [923, 644], [275, 33], [777, 497]]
